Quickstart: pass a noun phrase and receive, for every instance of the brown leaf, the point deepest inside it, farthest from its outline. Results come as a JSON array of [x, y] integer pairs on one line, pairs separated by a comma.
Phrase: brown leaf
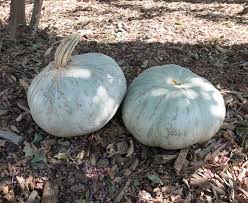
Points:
[[181, 160], [164, 158], [21, 182], [218, 190], [111, 171], [197, 180]]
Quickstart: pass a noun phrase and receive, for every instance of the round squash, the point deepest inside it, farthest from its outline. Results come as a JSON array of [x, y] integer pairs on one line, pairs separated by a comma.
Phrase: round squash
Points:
[[171, 107], [76, 95]]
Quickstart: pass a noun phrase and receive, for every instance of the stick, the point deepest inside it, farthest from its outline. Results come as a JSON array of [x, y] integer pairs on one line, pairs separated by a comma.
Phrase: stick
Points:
[[11, 137], [121, 192]]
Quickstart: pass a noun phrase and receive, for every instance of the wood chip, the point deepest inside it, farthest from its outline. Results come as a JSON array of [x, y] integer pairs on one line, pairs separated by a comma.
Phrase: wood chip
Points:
[[121, 192], [181, 160], [14, 129], [130, 149], [24, 108], [229, 135], [161, 159], [134, 165], [50, 192], [197, 180], [122, 147], [228, 126], [2, 143], [24, 84]]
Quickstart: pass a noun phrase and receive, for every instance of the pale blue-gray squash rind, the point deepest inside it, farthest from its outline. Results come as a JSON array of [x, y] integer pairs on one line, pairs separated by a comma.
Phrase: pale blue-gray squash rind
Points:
[[78, 99], [171, 107]]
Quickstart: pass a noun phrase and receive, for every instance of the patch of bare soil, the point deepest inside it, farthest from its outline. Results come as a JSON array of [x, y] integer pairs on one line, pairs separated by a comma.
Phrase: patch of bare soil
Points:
[[209, 37]]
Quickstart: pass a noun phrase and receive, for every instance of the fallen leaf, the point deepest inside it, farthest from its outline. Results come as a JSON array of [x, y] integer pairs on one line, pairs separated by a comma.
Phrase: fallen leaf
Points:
[[228, 135], [111, 171], [48, 51], [39, 155], [37, 138], [5, 190], [197, 180], [228, 126], [181, 160], [127, 172], [62, 156], [21, 182], [28, 151], [155, 179], [14, 129]]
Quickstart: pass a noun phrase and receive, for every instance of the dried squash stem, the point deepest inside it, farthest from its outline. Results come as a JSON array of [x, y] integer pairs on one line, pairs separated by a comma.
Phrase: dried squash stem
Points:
[[64, 50]]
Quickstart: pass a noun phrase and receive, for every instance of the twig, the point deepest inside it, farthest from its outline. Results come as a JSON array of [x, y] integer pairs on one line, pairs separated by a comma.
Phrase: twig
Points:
[[121, 192], [11, 137]]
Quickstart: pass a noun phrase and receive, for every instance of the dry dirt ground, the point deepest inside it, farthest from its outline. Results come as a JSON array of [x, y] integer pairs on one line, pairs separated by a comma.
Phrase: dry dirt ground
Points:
[[208, 36]]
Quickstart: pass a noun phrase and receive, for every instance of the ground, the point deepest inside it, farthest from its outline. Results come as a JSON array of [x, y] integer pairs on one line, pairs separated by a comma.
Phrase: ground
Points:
[[207, 36]]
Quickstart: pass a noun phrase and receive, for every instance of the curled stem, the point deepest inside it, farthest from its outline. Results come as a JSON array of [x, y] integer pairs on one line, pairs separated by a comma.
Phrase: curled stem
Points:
[[65, 49]]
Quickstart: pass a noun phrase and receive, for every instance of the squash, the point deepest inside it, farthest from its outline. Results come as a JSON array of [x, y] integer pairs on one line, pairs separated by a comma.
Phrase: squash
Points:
[[171, 107], [76, 95]]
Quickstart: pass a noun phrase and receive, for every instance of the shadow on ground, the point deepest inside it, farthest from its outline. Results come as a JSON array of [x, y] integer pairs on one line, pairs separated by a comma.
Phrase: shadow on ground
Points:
[[225, 66]]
